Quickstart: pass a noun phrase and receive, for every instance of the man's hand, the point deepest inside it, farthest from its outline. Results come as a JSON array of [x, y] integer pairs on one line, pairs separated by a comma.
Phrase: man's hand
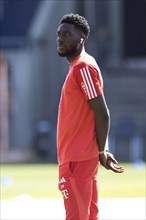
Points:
[[108, 161]]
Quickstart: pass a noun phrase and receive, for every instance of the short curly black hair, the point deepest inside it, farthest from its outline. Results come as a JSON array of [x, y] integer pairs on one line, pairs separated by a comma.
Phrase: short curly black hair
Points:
[[79, 21]]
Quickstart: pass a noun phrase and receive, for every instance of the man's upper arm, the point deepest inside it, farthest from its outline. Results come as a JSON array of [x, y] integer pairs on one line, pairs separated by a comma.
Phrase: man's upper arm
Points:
[[98, 105], [89, 81]]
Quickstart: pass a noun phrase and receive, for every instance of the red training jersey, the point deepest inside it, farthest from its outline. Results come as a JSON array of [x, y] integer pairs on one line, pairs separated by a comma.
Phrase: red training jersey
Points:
[[76, 138]]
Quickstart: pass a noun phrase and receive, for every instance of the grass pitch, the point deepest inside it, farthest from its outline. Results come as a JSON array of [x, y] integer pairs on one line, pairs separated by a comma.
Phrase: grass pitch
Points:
[[41, 181]]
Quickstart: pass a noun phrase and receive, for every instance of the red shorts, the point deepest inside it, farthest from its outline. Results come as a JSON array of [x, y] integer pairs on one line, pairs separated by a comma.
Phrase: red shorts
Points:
[[78, 184]]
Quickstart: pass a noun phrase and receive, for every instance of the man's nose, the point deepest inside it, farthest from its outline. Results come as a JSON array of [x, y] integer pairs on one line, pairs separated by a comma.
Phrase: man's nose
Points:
[[60, 39]]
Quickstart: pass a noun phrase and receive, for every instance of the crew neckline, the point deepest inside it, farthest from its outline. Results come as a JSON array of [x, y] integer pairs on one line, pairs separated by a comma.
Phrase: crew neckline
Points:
[[77, 58]]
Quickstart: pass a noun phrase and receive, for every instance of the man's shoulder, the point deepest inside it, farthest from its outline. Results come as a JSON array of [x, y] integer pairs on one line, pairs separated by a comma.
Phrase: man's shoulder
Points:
[[85, 60]]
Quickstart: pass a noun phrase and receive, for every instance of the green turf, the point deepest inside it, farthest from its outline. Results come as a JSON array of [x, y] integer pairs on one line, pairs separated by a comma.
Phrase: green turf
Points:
[[40, 181]]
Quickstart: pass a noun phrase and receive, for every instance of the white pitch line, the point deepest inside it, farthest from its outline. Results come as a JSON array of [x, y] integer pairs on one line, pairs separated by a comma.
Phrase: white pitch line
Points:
[[28, 208]]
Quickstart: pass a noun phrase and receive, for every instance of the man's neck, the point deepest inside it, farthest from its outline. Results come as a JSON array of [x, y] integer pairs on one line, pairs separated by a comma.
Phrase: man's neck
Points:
[[72, 58]]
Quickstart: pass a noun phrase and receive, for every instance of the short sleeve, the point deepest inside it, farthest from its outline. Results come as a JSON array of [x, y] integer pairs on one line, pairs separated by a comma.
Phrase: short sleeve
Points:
[[90, 81]]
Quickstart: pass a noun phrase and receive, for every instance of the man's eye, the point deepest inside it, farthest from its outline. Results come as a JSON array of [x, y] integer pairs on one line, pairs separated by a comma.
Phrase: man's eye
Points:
[[63, 35], [66, 34]]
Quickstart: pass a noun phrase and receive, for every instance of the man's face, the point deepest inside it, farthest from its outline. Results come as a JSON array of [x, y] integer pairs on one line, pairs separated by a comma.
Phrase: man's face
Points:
[[68, 40]]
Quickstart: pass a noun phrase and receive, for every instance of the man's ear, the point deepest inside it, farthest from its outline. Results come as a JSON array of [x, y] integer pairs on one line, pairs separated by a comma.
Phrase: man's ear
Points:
[[82, 39]]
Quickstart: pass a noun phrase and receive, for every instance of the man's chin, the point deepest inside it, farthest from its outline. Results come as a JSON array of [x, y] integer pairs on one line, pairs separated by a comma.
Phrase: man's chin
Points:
[[61, 54], [66, 53]]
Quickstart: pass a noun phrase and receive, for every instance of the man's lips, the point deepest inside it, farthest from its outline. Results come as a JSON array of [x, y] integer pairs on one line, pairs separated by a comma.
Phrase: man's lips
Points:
[[59, 46]]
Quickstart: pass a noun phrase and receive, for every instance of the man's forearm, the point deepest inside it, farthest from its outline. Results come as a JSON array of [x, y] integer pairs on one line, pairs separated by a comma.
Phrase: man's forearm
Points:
[[102, 125], [101, 119]]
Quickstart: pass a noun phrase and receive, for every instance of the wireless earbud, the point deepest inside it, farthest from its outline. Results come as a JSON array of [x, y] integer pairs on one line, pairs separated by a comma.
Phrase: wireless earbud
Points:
[[82, 40]]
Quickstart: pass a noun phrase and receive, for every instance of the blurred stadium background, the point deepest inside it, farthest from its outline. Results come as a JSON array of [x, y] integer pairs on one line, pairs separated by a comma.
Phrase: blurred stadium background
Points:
[[32, 74]]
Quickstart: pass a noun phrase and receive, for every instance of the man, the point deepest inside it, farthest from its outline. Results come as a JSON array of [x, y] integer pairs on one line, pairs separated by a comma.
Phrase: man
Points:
[[83, 123]]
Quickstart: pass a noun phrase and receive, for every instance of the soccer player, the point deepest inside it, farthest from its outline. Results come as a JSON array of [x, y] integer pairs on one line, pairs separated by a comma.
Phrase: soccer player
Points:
[[83, 123]]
